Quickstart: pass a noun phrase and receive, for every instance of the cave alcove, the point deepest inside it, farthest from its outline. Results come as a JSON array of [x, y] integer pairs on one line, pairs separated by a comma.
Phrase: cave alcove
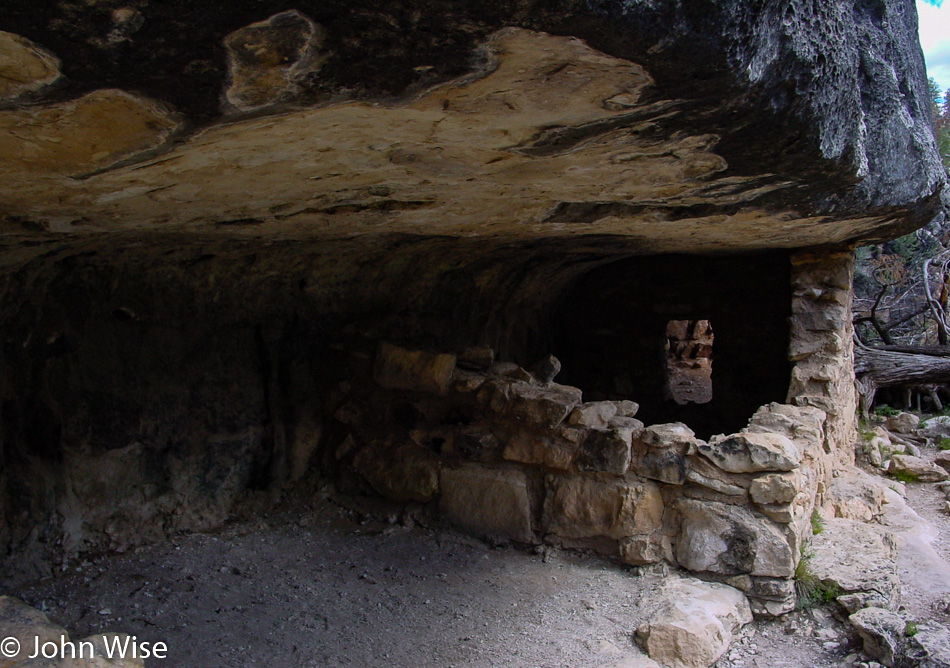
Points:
[[610, 333]]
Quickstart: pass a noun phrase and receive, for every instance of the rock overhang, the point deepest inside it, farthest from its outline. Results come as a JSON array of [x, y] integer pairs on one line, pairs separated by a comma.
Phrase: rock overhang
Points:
[[640, 127]]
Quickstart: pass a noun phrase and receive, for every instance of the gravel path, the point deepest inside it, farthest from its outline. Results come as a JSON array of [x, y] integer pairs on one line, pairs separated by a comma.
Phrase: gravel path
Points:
[[325, 588]]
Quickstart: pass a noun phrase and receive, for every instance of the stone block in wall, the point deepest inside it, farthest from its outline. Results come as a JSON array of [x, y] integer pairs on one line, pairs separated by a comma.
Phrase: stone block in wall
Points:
[[476, 358], [772, 597], [650, 549], [775, 488], [664, 465], [673, 435], [542, 407], [584, 506], [749, 452], [538, 407], [593, 414], [487, 502], [407, 473], [465, 382], [731, 540], [794, 422], [627, 409], [475, 442], [606, 450], [659, 452], [530, 447], [700, 471], [414, 370]]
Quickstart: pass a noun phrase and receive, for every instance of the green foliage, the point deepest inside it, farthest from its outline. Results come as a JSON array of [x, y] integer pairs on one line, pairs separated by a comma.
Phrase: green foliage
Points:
[[903, 476], [910, 629], [884, 410], [811, 591], [943, 443], [817, 524]]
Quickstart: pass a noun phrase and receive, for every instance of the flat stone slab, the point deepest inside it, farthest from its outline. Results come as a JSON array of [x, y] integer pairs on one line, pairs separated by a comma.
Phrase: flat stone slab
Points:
[[857, 558]]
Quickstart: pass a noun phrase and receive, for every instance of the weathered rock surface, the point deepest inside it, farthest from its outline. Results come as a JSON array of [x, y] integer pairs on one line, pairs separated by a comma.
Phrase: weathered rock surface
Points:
[[856, 495], [751, 452], [487, 502], [882, 632], [869, 581], [917, 469], [695, 623], [268, 59], [902, 423], [82, 135], [731, 540], [589, 506], [929, 647], [29, 626], [24, 67], [408, 473], [606, 450], [417, 370]]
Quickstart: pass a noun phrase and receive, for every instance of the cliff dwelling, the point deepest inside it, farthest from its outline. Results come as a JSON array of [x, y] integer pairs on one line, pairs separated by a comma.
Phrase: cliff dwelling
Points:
[[556, 275]]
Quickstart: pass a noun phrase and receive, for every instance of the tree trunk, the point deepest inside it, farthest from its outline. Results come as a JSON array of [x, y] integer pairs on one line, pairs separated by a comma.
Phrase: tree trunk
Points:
[[886, 366]]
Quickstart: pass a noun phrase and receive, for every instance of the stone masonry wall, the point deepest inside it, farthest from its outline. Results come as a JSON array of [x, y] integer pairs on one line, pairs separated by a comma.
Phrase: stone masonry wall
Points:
[[509, 455], [822, 345]]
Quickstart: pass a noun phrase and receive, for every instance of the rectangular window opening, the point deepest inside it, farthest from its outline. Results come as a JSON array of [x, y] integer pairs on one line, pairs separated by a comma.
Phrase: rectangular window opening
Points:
[[689, 348]]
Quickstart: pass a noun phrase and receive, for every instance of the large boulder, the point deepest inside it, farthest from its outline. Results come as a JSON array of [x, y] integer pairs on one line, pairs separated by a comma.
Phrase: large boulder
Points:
[[936, 427], [883, 633], [915, 468], [694, 623], [902, 423]]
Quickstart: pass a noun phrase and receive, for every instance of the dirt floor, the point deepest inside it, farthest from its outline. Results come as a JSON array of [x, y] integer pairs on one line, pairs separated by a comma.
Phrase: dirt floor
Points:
[[327, 587]]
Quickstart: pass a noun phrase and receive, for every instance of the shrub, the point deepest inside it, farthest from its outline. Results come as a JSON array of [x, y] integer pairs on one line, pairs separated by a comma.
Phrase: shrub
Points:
[[903, 476], [811, 591], [885, 411], [817, 524], [943, 443]]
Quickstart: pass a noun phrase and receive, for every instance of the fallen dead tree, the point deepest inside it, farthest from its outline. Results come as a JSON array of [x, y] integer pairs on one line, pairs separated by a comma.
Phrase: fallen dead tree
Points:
[[899, 366]]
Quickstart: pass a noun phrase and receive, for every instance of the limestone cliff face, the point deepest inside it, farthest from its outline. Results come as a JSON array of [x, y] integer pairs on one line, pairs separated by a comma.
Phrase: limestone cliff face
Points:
[[211, 218]]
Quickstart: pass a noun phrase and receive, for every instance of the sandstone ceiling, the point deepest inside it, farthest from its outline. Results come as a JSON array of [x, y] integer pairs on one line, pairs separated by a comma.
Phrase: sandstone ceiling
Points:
[[518, 133]]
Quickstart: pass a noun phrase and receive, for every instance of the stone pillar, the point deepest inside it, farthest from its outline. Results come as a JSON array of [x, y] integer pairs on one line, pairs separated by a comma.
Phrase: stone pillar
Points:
[[821, 345]]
